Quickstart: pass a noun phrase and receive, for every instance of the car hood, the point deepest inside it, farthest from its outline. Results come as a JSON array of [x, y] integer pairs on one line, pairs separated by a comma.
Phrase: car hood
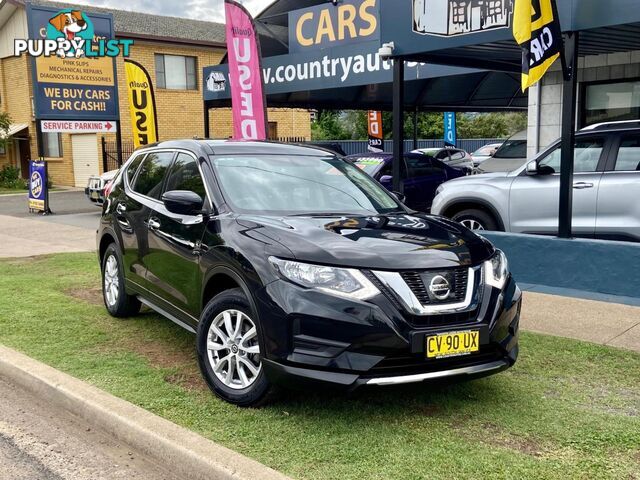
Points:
[[480, 178], [386, 242]]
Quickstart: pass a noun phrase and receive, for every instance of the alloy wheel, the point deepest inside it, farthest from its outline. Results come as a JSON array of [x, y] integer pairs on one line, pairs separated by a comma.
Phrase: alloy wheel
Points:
[[111, 281], [472, 224], [233, 350]]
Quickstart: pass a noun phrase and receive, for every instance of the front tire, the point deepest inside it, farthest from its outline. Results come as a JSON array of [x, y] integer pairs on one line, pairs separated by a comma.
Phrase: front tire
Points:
[[476, 220], [229, 350], [119, 304]]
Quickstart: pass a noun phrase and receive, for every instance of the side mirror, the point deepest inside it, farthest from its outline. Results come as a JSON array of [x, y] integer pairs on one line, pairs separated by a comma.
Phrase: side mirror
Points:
[[182, 202], [532, 168], [400, 196], [386, 179]]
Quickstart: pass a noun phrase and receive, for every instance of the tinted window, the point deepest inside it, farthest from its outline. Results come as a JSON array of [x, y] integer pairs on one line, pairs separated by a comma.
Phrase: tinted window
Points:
[[586, 157], [443, 155], [151, 174], [457, 155], [629, 154], [133, 168], [422, 167], [512, 149], [185, 175]]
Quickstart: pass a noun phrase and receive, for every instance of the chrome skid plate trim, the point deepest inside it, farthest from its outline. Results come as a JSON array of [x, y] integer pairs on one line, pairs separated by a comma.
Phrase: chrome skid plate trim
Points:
[[486, 367]]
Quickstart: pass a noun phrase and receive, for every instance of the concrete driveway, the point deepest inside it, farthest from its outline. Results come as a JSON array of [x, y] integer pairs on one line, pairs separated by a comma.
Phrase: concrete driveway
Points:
[[72, 227]]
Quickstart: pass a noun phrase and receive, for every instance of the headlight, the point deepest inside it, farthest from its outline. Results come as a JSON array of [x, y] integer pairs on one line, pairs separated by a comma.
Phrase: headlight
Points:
[[345, 282], [496, 270]]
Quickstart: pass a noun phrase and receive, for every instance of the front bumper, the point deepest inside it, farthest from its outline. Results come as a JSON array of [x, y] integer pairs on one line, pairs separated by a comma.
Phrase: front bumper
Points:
[[311, 337]]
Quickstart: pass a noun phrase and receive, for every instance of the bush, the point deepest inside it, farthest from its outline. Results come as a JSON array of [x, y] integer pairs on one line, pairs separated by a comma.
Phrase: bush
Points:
[[10, 178]]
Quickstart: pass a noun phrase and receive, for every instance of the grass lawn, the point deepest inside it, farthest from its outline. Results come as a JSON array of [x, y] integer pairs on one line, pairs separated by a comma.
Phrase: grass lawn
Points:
[[567, 410]]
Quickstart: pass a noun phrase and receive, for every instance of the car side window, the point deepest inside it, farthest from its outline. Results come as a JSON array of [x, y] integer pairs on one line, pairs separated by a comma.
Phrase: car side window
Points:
[[457, 155], [629, 154], [133, 167], [185, 175], [421, 166], [586, 157], [151, 175], [443, 155]]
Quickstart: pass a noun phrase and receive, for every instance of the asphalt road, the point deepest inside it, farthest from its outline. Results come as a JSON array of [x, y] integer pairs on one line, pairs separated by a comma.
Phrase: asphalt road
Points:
[[69, 207], [38, 442]]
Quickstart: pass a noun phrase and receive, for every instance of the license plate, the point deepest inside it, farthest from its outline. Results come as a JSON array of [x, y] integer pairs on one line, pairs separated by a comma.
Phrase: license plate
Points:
[[453, 344]]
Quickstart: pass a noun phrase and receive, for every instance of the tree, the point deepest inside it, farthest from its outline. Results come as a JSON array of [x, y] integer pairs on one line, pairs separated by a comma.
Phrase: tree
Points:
[[352, 125], [329, 126], [5, 125]]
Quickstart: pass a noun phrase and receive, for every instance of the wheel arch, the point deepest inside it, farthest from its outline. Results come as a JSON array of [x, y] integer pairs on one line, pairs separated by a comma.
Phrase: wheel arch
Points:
[[220, 279], [461, 204], [108, 237]]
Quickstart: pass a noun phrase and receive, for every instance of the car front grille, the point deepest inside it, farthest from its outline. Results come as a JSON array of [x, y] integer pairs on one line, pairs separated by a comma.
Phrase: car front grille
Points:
[[418, 282]]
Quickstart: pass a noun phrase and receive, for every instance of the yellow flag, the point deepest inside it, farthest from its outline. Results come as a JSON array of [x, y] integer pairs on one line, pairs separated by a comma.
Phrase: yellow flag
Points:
[[536, 29], [142, 104]]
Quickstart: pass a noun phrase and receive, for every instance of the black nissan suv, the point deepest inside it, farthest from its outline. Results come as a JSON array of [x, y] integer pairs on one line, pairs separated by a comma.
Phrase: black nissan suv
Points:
[[293, 266]]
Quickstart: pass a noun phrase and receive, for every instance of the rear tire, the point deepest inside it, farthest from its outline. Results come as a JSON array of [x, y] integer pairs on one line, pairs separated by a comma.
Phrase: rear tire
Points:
[[119, 304], [230, 351], [477, 220]]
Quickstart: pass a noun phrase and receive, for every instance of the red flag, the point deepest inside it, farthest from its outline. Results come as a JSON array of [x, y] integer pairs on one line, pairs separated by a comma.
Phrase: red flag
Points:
[[245, 74]]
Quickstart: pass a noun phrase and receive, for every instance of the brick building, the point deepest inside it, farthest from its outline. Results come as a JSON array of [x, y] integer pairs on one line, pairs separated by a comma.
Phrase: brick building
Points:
[[164, 46]]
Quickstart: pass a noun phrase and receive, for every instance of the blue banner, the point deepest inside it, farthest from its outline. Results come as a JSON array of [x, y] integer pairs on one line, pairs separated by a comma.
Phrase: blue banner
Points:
[[38, 195], [450, 133], [77, 85]]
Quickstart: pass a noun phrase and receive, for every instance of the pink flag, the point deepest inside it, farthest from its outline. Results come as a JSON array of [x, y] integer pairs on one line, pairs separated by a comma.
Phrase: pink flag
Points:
[[245, 74]]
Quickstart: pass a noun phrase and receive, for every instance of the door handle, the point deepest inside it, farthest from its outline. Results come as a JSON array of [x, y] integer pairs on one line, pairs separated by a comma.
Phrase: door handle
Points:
[[153, 224], [582, 185], [121, 208]]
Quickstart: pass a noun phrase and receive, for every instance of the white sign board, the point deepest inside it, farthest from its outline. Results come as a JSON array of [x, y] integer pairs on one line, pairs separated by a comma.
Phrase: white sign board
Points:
[[77, 126]]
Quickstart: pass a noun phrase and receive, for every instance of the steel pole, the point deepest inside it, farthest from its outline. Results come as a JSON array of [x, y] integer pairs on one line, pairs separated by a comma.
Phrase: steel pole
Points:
[[569, 106], [398, 123]]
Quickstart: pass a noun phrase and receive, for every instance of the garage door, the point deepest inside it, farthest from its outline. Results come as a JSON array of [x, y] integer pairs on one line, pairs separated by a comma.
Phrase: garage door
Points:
[[85, 157]]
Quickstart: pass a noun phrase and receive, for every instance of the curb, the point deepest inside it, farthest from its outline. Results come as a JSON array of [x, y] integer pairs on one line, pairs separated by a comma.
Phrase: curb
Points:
[[182, 452]]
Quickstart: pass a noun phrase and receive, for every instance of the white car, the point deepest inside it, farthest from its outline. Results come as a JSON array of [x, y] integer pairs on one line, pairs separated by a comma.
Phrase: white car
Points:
[[96, 185], [511, 155], [453, 157], [484, 153]]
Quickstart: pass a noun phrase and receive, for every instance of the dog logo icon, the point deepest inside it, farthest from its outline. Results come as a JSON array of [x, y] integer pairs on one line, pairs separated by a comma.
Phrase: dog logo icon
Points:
[[72, 26]]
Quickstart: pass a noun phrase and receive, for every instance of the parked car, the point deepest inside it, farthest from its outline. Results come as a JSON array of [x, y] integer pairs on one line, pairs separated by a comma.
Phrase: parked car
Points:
[[484, 153], [292, 266], [606, 190], [422, 175], [95, 190], [510, 156], [453, 157]]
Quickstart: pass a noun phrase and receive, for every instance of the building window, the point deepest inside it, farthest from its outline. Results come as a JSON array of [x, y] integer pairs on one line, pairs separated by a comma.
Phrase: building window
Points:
[[459, 12], [52, 144], [175, 72], [3, 149], [609, 102]]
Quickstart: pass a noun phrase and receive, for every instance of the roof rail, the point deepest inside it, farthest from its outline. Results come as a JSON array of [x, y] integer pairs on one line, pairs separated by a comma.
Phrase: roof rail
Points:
[[612, 126]]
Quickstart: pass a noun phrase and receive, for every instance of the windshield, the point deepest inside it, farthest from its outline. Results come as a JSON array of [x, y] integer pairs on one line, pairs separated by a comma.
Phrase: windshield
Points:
[[512, 149], [297, 185], [368, 164], [485, 151]]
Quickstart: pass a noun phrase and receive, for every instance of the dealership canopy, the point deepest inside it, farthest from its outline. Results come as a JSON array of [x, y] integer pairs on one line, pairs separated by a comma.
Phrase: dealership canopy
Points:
[[348, 72]]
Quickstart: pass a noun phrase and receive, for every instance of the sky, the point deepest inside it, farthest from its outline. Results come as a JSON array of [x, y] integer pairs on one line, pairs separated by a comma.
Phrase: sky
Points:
[[211, 10]]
